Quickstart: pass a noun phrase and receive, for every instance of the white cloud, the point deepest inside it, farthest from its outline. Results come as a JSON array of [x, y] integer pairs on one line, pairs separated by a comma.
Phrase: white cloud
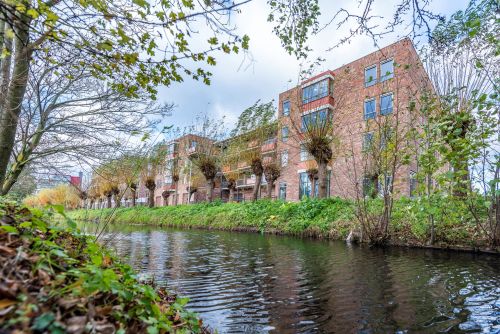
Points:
[[238, 80]]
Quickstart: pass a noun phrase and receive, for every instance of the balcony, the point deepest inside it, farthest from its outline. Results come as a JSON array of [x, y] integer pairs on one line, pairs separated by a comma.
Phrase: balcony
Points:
[[324, 102]]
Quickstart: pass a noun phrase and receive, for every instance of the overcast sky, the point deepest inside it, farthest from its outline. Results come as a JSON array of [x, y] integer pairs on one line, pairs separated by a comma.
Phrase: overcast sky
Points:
[[238, 82]]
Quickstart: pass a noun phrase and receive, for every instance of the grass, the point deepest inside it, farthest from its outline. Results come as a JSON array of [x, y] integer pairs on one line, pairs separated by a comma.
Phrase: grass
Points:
[[331, 218]]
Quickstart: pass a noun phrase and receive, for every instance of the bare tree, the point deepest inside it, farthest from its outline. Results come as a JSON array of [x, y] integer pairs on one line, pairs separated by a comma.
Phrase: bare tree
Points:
[[116, 41], [75, 116], [205, 155]]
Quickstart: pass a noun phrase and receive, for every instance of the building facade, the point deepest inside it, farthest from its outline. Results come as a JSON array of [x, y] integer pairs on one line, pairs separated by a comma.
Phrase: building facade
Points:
[[359, 98]]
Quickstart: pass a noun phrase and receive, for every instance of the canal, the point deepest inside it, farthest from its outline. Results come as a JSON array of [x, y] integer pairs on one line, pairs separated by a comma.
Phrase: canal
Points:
[[251, 283]]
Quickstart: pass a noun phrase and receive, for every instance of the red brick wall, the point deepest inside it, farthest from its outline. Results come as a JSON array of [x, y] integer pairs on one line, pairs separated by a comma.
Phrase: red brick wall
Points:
[[349, 94]]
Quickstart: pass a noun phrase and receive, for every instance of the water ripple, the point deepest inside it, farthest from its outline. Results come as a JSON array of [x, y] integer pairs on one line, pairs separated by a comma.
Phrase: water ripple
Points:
[[249, 283]]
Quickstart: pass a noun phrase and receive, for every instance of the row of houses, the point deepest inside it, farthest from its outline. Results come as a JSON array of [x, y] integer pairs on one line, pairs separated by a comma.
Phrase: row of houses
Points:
[[383, 85]]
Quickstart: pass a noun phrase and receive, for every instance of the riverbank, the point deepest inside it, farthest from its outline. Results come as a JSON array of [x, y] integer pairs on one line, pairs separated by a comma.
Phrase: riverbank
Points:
[[55, 279], [331, 218]]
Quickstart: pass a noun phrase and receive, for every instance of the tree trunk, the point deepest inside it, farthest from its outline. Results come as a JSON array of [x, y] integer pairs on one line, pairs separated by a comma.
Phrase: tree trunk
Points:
[[117, 201], [151, 197], [270, 185], [256, 188], [322, 180], [231, 194], [10, 104], [109, 202], [210, 190], [134, 194], [176, 199]]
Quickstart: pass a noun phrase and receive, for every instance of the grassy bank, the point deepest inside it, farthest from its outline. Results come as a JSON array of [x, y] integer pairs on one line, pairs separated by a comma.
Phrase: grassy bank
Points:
[[55, 280], [330, 218]]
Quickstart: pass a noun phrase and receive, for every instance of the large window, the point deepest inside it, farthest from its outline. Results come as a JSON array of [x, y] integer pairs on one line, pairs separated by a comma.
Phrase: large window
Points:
[[304, 154], [386, 104], [284, 134], [284, 158], [369, 112], [282, 191], [286, 108], [386, 70], [315, 91], [315, 119], [304, 185], [370, 76]]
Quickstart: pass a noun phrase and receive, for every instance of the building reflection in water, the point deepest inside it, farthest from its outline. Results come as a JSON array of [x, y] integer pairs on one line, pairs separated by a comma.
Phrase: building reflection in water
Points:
[[249, 283]]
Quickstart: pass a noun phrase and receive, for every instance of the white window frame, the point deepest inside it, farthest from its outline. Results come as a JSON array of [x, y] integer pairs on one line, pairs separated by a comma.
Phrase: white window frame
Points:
[[283, 108], [284, 158]]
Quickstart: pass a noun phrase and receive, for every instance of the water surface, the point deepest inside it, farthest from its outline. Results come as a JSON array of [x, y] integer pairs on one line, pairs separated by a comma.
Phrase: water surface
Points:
[[251, 283]]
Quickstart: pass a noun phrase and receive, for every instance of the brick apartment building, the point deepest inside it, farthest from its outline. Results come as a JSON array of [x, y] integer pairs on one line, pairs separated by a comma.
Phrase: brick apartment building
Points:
[[378, 86], [382, 84]]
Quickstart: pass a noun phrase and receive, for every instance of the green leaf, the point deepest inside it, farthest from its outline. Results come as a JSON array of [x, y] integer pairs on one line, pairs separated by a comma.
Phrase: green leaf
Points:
[[43, 321], [9, 229], [141, 3]]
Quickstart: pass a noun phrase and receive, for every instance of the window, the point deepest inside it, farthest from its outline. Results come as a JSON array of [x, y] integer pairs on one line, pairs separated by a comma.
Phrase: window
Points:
[[371, 76], [282, 191], [304, 154], [286, 108], [304, 185], [370, 106], [315, 91], [386, 104], [386, 70], [384, 184], [413, 184], [367, 141], [193, 144], [284, 134], [284, 158], [315, 119], [171, 148]]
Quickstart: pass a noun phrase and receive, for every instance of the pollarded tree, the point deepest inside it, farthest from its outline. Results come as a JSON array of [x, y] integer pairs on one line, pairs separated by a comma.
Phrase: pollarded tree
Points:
[[255, 130], [315, 134], [463, 65], [272, 172], [153, 165], [205, 154]]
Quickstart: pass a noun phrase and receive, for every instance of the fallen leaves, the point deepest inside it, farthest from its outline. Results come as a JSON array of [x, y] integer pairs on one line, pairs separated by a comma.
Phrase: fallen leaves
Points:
[[57, 281]]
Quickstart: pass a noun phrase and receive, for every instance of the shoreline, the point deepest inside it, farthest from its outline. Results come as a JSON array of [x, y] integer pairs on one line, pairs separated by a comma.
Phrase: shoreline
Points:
[[308, 233]]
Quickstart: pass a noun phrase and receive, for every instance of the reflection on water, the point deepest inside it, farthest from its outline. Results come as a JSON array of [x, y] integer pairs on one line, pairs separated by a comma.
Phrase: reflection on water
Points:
[[249, 283]]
